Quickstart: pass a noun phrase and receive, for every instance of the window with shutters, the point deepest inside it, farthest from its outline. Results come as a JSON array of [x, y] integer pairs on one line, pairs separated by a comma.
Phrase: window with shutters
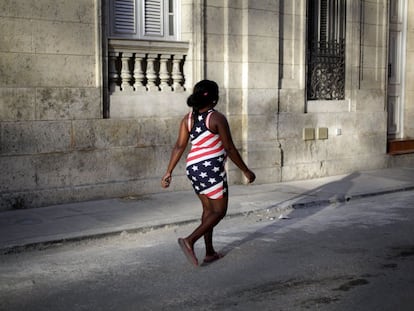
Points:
[[144, 19], [326, 49]]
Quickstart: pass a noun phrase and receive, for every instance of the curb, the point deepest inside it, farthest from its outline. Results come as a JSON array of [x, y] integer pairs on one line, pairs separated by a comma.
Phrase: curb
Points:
[[14, 249]]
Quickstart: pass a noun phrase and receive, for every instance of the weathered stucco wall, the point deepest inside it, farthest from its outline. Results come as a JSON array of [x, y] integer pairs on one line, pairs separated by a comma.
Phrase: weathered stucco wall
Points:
[[242, 39], [48, 60], [56, 147], [361, 118], [48, 79]]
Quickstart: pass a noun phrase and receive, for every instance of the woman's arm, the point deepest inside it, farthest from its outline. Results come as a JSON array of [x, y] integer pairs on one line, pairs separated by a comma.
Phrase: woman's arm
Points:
[[219, 124], [177, 152]]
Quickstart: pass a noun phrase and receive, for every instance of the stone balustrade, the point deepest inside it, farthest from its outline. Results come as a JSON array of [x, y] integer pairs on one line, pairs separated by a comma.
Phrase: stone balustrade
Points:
[[146, 66]]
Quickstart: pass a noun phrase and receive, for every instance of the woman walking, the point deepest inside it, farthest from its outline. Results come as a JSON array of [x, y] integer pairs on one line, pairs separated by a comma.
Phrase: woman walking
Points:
[[212, 143]]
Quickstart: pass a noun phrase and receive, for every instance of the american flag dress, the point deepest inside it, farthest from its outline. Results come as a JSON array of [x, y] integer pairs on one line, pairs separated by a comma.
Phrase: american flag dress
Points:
[[206, 159]]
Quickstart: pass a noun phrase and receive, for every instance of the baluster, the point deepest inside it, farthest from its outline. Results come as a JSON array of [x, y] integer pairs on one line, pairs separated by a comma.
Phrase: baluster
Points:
[[113, 75], [138, 73], [177, 76], [126, 76], [151, 74], [164, 75]]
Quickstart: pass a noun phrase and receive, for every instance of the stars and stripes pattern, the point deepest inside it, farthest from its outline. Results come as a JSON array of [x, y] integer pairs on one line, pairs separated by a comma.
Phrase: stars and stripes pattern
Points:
[[206, 159]]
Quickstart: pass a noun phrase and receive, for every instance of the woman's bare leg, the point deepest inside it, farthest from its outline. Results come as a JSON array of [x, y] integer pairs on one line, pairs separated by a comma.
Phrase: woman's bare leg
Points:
[[213, 212], [208, 236]]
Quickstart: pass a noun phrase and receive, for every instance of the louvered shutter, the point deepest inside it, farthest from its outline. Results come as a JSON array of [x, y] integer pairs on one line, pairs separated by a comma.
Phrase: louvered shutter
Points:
[[124, 17], [153, 18]]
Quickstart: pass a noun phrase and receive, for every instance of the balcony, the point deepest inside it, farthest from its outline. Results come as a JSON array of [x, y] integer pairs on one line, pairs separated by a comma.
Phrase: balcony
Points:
[[146, 79], [136, 66]]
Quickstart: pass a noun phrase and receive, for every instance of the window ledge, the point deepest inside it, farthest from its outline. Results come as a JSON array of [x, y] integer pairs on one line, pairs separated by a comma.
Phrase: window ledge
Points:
[[145, 46], [328, 106]]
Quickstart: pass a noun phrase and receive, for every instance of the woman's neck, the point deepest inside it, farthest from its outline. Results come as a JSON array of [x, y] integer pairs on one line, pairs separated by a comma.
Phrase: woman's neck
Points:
[[207, 108]]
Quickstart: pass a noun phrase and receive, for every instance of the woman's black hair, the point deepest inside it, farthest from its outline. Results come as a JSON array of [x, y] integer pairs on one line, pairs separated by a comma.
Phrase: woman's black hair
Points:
[[205, 92]]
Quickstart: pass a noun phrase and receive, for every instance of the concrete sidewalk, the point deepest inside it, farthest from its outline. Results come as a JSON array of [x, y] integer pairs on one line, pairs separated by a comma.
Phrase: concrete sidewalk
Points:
[[24, 228]]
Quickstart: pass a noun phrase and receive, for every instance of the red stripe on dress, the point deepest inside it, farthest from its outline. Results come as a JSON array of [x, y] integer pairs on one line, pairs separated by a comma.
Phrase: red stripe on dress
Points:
[[206, 158], [191, 156], [212, 145], [202, 139], [214, 192]]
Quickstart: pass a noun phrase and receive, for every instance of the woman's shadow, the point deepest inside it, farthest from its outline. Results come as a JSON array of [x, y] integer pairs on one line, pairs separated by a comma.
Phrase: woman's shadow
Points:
[[314, 200]]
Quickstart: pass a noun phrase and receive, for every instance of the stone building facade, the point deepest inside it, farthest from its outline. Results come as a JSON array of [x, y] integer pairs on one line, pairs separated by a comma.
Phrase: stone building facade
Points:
[[90, 106]]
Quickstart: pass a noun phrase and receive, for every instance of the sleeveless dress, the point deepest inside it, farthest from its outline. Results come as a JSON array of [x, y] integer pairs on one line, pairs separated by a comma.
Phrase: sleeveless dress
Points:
[[206, 159]]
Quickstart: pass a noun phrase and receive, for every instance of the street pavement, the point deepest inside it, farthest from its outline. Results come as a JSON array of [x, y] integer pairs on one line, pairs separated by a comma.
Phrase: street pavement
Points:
[[20, 229]]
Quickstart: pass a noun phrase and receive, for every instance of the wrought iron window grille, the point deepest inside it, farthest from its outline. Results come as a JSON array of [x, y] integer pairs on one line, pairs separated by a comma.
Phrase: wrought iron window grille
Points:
[[326, 75], [326, 50]]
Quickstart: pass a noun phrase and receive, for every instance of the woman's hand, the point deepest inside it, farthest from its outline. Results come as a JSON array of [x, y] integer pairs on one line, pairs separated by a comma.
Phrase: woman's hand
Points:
[[166, 180], [250, 176]]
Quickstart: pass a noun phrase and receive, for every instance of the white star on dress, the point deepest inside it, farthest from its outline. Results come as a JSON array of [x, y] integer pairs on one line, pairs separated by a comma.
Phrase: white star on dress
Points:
[[203, 175], [216, 169], [195, 168], [220, 159], [198, 129], [200, 118], [212, 180], [207, 163], [203, 185]]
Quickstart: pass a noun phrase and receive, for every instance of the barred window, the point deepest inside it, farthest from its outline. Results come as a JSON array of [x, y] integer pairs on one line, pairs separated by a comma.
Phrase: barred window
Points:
[[326, 49], [144, 19]]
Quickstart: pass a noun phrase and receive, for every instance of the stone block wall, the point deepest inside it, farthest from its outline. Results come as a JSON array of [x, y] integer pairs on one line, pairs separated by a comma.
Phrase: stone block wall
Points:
[[356, 127], [55, 146], [242, 39], [51, 162], [48, 80]]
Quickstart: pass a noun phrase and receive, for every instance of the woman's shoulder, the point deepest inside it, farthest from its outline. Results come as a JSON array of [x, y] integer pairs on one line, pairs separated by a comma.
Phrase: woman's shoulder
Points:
[[217, 119], [186, 116], [218, 116]]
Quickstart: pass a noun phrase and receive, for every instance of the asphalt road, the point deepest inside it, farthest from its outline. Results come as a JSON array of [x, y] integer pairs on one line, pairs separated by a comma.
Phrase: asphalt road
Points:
[[357, 255]]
